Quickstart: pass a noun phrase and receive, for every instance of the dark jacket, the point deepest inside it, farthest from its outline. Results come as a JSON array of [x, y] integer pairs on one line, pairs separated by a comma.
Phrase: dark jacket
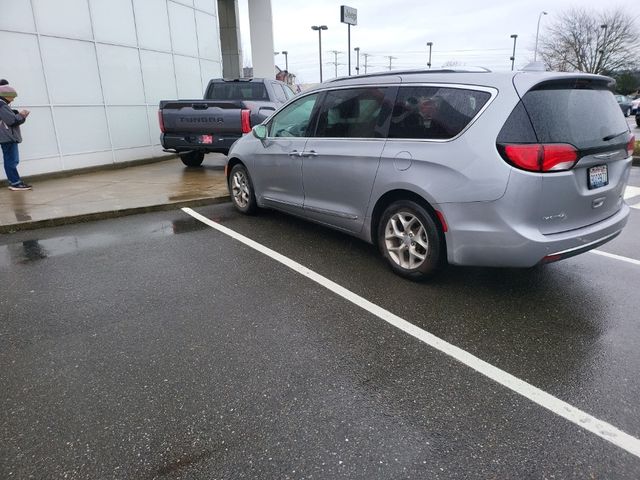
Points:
[[10, 121]]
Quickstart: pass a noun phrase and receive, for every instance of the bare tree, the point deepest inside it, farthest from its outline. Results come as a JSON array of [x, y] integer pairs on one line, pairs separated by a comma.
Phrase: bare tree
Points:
[[591, 42]]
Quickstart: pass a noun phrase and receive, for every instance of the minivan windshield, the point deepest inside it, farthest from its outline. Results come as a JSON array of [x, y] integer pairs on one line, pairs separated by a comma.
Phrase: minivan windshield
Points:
[[584, 117]]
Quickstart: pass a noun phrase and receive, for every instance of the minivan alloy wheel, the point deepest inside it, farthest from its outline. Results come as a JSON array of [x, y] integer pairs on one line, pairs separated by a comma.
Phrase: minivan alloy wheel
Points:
[[240, 188], [406, 240], [410, 240]]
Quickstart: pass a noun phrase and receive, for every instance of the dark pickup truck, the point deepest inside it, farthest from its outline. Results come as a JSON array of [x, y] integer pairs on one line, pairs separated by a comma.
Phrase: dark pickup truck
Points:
[[230, 108]]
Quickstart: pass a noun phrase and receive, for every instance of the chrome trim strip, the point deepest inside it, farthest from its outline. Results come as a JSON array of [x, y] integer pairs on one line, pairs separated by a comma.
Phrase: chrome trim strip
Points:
[[331, 212], [586, 245], [281, 202]]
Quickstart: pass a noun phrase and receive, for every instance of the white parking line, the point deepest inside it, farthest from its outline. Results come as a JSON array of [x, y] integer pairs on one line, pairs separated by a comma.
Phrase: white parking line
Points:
[[631, 191], [602, 429], [633, 261]]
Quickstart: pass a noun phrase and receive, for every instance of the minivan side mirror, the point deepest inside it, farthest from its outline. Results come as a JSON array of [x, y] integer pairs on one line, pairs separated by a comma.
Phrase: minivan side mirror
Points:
[[260, 132]]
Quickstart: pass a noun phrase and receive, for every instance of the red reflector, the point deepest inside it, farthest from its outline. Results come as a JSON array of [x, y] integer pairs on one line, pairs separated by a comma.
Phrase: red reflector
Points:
[[161, 121], [537, 157], [631, 145], [445, 228], [552, 258], [245, 118]]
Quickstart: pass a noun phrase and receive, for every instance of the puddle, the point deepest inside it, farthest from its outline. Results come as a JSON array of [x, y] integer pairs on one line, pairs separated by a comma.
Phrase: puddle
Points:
[[34, 250]]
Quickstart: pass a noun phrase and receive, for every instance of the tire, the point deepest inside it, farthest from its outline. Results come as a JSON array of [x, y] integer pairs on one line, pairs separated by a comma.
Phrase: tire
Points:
[[637, 121], [192, 159], [410, 240], [241, 190], [627, 112]]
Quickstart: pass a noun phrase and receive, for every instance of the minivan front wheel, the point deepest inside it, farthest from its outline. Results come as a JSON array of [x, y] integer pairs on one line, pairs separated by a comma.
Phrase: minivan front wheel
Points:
[[241, 189], [409, 240]]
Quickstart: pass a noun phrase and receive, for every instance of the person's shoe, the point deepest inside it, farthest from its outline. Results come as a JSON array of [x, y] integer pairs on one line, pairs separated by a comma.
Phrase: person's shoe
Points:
[[20, 187]]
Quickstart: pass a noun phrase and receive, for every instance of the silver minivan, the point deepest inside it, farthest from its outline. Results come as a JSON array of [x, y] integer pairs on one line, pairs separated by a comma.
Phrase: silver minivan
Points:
[[494, 169]]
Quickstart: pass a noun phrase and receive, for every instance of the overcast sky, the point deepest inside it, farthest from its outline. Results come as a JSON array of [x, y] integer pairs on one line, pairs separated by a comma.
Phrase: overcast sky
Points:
[[470, 32]]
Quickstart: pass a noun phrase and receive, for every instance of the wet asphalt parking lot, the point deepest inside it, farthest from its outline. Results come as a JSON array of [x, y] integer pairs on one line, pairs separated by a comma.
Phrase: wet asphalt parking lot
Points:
[[154, 346]]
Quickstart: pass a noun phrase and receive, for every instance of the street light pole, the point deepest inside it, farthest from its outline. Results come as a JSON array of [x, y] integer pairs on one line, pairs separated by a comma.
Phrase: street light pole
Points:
[[319, 28], [513, 57], [535, 51], [601, 49], [429, 44], [286, 60], [357, 50]]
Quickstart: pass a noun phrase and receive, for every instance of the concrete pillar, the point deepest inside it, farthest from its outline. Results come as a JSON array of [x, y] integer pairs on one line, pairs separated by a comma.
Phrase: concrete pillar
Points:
[[261, 26], [230, 38]]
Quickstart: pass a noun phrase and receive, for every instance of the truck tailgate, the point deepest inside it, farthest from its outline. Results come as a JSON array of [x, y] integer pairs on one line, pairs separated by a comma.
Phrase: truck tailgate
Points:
[[201, 116]]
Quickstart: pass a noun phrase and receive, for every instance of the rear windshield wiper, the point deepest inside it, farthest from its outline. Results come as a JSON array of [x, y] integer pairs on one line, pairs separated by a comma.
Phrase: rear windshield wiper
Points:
[[613, 135]]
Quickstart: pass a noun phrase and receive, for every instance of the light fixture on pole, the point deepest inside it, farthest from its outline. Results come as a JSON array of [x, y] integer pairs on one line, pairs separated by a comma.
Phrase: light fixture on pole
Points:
[[429, 44], [535, 51], [357, 50], [604, 37], [513, 57], [319, 28], [286, 60]]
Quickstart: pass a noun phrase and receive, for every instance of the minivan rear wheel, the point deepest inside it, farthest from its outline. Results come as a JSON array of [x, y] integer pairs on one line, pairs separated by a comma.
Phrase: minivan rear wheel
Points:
[[409, 240]]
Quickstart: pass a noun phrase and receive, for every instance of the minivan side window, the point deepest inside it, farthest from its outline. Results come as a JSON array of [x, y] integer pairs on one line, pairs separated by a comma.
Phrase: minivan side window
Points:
[[422, 112], [353, 113], [293, 120]]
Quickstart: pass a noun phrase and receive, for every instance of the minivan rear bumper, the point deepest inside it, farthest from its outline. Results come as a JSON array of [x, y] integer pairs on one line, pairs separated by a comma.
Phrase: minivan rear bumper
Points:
[[495, 242]]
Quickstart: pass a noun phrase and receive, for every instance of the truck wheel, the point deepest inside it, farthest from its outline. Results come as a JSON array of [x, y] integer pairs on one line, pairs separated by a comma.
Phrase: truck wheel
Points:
[[241, 189], [192, 159], [409, 240]]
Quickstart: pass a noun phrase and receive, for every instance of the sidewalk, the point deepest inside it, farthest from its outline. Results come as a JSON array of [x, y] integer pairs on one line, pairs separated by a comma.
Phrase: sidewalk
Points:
[[163, 185]]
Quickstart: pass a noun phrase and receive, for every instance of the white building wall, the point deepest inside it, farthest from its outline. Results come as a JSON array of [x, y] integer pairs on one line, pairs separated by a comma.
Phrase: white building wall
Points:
[[93, 71]]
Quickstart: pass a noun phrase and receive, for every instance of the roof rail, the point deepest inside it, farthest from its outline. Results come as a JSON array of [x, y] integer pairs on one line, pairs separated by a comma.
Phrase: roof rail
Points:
[[420, 71]]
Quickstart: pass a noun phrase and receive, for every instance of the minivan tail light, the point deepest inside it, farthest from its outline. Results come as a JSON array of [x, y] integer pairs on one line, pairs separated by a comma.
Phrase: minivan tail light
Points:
[[161, 121], [631, 145], [245, 120], [538, 157]]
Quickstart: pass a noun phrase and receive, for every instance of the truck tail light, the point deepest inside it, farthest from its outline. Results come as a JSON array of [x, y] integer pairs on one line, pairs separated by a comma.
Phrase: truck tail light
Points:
[[631, 145], [245, 120], [538, 157], [161, 121]]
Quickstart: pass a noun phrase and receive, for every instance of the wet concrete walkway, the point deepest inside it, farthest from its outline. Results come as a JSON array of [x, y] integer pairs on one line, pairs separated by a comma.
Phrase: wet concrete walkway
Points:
[[109, 193]]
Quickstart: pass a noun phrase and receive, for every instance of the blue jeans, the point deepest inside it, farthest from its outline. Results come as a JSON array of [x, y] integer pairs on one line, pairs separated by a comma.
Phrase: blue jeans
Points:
[[11, 160]]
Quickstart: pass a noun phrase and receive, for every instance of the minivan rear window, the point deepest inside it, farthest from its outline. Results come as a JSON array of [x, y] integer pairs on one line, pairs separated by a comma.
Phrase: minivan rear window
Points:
[[423, 112], [582, 114]]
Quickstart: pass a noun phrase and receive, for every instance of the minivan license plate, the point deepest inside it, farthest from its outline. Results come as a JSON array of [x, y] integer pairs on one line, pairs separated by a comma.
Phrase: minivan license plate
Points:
[[598, 177]]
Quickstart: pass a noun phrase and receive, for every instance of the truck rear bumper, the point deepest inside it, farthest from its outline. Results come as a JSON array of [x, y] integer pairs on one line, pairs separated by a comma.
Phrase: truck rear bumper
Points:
[[183, 143]]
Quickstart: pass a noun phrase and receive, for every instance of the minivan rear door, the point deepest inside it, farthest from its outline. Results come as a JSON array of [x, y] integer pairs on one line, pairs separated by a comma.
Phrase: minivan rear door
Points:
[[582, 112]]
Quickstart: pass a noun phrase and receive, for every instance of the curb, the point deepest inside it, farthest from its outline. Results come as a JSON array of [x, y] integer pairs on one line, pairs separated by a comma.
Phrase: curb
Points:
[[89, 217]]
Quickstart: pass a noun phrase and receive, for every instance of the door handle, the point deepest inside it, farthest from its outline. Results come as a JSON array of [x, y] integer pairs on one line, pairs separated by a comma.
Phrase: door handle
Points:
[[310, 153], [295, 153]]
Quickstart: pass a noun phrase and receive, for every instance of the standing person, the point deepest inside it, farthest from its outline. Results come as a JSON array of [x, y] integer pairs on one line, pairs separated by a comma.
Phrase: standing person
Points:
[[10, 137]]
